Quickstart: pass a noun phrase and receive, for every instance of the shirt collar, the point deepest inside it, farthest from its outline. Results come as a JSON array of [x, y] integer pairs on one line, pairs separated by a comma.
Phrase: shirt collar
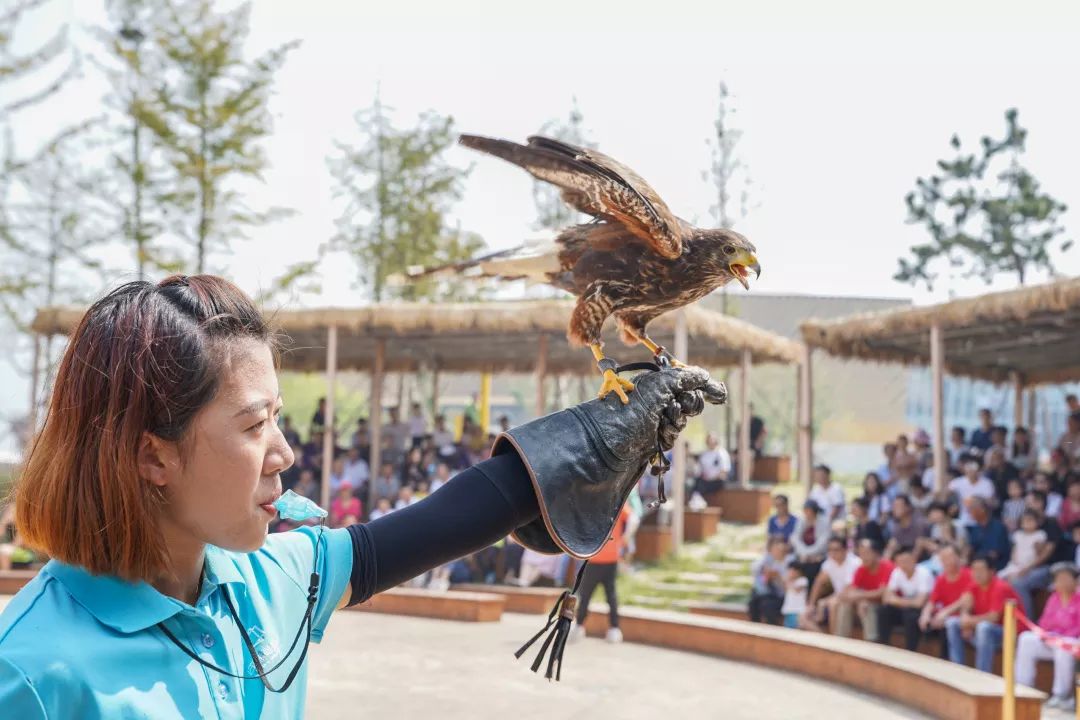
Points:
[[130, 607]]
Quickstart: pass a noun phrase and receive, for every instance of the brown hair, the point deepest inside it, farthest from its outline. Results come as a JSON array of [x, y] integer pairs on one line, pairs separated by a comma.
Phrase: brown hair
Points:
[[145, 358]]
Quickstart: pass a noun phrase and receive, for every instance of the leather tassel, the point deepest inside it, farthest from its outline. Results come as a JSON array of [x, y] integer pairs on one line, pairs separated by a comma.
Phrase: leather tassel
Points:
[[562, 616]]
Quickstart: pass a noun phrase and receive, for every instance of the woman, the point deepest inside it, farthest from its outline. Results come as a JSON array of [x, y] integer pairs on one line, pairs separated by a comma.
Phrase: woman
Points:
[[810, 539], [1061, 618], [876, 497], [1022, 455], [152, 482]]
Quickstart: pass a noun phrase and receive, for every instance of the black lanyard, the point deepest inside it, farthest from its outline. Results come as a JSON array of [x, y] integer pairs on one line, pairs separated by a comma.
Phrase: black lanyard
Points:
[[313, 595]]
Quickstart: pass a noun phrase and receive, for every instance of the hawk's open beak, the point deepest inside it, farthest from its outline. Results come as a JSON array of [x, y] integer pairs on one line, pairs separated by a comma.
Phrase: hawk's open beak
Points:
[[742, 266]]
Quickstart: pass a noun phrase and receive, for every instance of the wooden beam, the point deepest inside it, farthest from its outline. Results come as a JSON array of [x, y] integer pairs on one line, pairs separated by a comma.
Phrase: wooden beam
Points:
[[376, 420], [805, 420], [937, 380], [329, 434], [678, 456], [746, 455], [541, 374]]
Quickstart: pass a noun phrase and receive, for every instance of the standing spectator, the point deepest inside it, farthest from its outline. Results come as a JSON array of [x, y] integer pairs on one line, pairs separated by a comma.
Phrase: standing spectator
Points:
[[417, 424], [1060, 618], [794, 597], [318, 419], [782, 523], [864, 528], [906, 593], [357, 472], [958, 446], [344, 505], [757, 434], [998, 436], [868, 587], [1028, 543], [441, 436], [905, 466], [307, 485], [1022, 455], [398, 432], [810, 538], [828, 495], [885, 470], [970, 485], [442, 476], [986, 535], [947, 597], [923, 453], [1014, 505], [386, 483], [602, 570], [904, 529], [361, 439], [1055, 548], [713, 467], [979, 622], [1070, 506], [877, 500], [413, 471], [1041, 482], [337, 474], [980, 437], [837, 572], [999, 472], [291, 436], [768, 572], [1070, 441], [291, 475]]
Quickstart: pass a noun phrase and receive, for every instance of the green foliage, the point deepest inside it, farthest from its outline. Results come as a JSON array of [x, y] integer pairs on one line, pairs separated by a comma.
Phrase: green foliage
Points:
[[983, 222], [396, 189], [551, 212], [209, 112]]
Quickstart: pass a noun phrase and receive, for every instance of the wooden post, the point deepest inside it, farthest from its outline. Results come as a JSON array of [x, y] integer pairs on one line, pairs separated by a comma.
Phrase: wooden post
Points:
[[434, 392], [678, 457], [805, 420], [485, 402], [937, 393], [1032, 417], [746, 459], [541, 374], [1018, 400], [376, 419], [329, 434], [1008, 661]]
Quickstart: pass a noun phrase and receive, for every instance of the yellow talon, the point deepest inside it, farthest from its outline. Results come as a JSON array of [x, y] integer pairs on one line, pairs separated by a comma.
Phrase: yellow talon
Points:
[[658, 352], [614, 383]]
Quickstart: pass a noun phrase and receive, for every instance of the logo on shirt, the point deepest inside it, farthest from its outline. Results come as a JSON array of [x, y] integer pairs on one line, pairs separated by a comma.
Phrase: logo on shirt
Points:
[[266, 647]]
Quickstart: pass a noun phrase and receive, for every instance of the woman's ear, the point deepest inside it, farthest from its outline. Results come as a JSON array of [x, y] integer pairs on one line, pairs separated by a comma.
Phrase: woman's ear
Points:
[[158, 460]]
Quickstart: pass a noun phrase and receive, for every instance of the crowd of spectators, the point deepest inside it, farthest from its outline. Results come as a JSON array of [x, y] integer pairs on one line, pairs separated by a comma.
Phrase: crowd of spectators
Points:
[[938, 561]]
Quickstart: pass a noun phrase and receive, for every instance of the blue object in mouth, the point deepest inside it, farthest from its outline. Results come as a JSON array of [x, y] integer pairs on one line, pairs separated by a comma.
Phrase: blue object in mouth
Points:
[[298, 508]]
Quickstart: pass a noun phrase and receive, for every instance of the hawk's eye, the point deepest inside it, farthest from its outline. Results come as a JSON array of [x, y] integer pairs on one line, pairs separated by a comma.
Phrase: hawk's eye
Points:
[[728, 250]]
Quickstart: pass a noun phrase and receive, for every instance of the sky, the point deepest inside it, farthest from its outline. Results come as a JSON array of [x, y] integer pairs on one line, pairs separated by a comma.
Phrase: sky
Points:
[[842, 105]]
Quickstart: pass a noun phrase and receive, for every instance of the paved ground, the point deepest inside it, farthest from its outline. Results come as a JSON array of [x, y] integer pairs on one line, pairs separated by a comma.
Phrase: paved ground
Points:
[[382, 666]]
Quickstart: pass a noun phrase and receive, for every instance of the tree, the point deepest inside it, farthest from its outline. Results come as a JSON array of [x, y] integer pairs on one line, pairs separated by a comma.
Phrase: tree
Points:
[[983, 222], [210, 112], [397, 190], [552, 212]]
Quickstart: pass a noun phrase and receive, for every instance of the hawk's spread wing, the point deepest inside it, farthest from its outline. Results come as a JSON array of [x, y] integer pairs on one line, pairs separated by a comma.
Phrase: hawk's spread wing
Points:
[[594, 184]]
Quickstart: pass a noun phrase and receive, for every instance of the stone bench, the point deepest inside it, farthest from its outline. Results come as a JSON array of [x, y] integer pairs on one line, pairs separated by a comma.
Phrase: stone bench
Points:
[[936, 687], [730, 610], [448, 605], [526, 600]]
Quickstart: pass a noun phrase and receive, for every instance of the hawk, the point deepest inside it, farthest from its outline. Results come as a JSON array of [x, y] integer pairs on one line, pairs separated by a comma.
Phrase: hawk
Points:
[[636, 260]]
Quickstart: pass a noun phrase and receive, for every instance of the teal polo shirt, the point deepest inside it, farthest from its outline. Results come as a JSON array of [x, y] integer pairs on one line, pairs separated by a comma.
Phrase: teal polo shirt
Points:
[[75, 645]]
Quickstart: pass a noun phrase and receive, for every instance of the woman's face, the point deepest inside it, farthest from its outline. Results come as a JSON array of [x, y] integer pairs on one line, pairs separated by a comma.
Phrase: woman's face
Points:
[[1065, 583], [233, 456]]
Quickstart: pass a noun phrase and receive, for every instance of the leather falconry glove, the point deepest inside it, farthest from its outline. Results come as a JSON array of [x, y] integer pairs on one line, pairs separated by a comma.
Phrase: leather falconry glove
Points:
[[583, 463]]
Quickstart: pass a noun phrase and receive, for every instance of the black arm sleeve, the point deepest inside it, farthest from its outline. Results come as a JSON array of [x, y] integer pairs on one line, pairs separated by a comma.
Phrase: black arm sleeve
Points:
[[473, 510]]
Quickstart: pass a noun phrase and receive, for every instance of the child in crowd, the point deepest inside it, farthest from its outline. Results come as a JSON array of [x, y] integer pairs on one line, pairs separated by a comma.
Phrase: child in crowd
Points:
[[382, 507], [1027, 541], [343, 505], [1014, 506], [795, 588]]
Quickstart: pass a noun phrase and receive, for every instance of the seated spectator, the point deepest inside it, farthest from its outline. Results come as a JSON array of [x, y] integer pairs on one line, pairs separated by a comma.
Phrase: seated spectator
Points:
[[337, 474], [1028, 543], [291, 475], [382, 507], [442, 476], [397, 431], [318, 419], [417, 424], [923, 454], [905, 466], [357, 472], [413, 471], [713, 466], [782, 523], [1055, 548], [1074, 532], [794, 606], [904, 529], [504, 423], [999, 472], [768, 572], [1070, 441], [343, 505], [361, 438], [1060, 618], [986, 535], [1069, 513], [920, 498], [837, 572], [405, 497], [828, 495], [810, 538], [970, 485], [943, 530], [291, 436], [958, 446], [1014, 506], [386, 483], [1054, 499], [864, 528], [906, 593], [979, 621], [1022, 455], [877, 500], [307, 485], [980, 437], [885, 470], [867, 587], [947, 596]]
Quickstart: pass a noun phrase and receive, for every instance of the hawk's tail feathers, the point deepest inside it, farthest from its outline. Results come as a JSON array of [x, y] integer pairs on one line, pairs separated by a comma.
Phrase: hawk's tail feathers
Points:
[[527, 262]]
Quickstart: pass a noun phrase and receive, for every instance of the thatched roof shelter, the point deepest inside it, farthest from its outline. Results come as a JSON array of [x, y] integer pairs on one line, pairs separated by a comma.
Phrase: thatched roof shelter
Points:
[[495, 336], [1031, 335]]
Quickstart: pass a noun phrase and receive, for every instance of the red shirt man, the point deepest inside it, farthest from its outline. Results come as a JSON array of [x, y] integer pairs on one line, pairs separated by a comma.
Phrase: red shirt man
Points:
[[873, 578]]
